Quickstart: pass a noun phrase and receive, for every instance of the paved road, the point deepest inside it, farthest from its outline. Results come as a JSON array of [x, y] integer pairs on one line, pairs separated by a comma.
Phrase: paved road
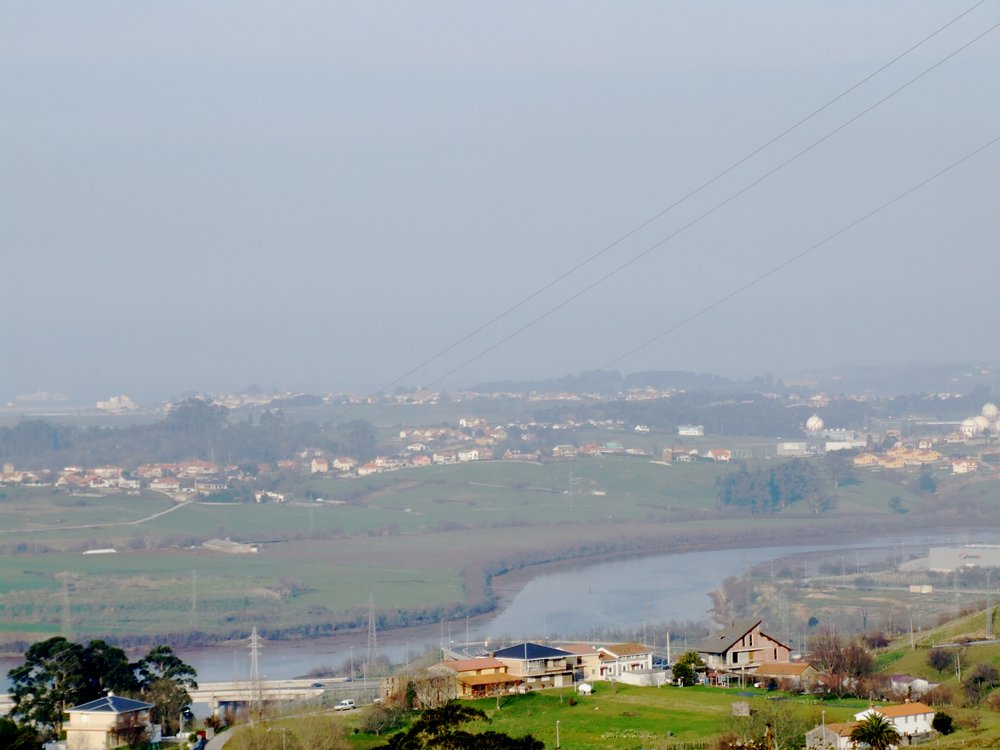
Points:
[[219, 740]]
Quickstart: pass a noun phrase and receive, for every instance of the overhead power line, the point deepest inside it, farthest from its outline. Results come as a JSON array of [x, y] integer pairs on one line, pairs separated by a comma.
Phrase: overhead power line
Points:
[[789, 261], [660, 214], [634, 259]]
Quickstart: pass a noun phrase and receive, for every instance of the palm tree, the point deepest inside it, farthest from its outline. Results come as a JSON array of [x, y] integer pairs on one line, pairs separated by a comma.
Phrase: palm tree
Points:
[[876, 731]]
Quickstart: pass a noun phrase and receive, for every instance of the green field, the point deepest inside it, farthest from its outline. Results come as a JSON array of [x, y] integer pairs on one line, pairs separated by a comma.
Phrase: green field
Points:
[[417, 541], [615, 717]]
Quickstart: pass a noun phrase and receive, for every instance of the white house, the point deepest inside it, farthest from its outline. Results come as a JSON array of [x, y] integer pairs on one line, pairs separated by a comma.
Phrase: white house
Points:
[[909, 719], [691, 430], [624, 657]]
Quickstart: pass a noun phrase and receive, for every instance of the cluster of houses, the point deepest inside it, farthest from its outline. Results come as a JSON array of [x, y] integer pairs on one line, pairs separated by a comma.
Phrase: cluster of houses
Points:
[[922, 454], [739, 654]]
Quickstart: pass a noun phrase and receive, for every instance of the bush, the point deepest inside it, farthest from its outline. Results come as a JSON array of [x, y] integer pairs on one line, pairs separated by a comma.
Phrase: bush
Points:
[[943, 723], [382, 717]]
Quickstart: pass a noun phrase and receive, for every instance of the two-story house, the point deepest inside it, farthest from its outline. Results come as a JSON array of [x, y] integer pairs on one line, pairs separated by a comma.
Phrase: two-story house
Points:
[[911, 720], [480, 677], [741, 647], [538, 666], [102, 723], [624, 657]]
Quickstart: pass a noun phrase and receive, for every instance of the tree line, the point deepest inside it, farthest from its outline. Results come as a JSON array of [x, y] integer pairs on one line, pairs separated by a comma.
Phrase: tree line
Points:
[[194, 428], [773, 488]]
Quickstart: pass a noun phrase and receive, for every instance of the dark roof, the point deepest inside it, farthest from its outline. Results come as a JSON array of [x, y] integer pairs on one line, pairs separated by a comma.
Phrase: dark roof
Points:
[[721, 640], [114, 704], [530, 651]]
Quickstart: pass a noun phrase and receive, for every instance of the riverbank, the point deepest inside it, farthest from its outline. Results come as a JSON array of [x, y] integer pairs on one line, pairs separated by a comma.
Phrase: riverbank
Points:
[[498, 583]]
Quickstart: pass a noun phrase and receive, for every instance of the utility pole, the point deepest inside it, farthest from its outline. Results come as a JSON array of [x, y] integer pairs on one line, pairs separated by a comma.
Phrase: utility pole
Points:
[[989, 607]]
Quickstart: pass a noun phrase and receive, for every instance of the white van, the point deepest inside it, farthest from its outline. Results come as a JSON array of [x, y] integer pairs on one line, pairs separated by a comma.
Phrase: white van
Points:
[[345, 705]]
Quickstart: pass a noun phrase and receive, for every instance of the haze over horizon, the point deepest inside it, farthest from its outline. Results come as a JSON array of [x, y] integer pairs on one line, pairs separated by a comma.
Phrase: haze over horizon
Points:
[[322, 196]]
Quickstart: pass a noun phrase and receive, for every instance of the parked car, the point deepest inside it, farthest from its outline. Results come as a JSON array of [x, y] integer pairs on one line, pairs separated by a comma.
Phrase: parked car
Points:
[[345, 705]]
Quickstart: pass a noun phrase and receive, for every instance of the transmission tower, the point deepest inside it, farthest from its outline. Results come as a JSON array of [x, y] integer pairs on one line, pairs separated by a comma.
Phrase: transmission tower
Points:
[[372, 639], [256, 643]]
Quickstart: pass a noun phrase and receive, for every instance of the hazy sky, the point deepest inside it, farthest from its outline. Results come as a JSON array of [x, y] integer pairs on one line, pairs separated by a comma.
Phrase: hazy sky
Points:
[[321, 195]]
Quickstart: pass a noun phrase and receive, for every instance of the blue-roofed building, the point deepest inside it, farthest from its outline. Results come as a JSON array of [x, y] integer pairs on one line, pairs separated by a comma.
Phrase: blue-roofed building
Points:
[[538, 666], [94, 725]]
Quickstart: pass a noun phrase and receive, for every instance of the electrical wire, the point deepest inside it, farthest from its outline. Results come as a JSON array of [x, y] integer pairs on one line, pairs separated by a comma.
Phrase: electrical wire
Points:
[[618, 269], [586, 261], [789, 261]]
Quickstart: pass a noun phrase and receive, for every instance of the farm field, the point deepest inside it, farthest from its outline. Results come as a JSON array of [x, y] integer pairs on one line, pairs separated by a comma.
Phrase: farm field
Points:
[[419, 542]]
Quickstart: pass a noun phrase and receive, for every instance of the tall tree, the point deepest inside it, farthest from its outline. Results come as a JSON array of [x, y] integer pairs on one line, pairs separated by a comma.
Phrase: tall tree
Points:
[[104, 667], [47, 683], [164, 680], [875, 731]]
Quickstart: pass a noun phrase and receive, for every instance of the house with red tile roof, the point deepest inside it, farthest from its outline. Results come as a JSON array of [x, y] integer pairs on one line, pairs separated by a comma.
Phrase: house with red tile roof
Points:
[[911, 720], [799, 674], [480, 677]]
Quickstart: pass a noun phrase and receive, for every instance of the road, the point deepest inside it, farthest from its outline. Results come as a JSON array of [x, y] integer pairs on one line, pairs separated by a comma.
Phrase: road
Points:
[[134, 522]]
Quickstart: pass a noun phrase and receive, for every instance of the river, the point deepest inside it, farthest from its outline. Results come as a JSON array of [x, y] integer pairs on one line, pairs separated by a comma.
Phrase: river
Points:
[[575, 599]]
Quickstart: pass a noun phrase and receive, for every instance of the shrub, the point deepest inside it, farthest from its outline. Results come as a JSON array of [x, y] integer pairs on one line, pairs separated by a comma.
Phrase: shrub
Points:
[[943, 723]]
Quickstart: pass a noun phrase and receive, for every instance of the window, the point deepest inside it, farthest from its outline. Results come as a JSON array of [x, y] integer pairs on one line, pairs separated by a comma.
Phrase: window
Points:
[[736, 657], [751, 639], [776, 654]]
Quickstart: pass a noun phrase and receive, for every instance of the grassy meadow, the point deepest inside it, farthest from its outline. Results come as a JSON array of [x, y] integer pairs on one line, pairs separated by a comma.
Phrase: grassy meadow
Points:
[[420, 541]]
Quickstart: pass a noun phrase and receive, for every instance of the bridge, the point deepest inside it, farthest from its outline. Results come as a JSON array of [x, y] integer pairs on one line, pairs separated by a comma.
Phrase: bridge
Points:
[[222, 694], [218, 695]]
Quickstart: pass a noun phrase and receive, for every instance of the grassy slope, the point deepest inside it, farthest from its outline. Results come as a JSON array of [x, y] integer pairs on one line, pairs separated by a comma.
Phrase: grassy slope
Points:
[[621, 717]]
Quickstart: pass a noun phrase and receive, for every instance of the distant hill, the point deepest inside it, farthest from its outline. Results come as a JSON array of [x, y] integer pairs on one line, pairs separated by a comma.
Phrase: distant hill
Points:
[[609, 382], [889, 380]]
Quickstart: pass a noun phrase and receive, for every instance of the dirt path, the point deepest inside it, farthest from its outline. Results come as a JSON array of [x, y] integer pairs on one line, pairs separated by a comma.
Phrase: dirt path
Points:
[[134, 522]]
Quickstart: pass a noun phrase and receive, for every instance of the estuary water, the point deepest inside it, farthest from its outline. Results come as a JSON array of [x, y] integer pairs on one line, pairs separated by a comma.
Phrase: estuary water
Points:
[[575, 600]]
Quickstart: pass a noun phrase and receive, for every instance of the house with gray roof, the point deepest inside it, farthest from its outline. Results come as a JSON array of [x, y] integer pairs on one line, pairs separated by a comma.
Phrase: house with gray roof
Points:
[[538, 666], [98, 724], [741, 647]]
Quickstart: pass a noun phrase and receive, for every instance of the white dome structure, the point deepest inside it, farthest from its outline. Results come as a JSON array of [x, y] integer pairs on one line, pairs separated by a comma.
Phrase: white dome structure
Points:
[[814, 424], [969, 428], [990, 411], [982, 423]]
